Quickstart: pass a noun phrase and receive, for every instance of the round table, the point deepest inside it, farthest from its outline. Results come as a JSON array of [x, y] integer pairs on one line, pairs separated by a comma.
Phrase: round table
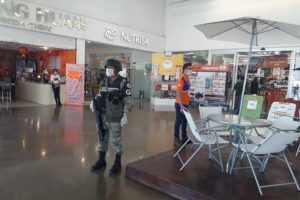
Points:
[[232, 120]]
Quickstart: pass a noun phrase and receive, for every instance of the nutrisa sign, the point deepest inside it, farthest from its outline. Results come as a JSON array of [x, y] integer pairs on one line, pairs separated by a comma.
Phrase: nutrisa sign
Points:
[[26, 15]]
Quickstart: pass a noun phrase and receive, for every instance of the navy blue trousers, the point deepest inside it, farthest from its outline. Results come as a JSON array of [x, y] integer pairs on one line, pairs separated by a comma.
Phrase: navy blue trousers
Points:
[[180, 121]]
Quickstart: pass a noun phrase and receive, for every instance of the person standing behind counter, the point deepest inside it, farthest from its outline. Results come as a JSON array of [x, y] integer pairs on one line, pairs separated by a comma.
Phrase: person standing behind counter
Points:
[[182, 101], [55, 82]]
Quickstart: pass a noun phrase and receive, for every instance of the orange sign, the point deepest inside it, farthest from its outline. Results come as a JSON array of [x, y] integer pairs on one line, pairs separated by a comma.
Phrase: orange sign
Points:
[[74, 84], [273, 62], [73, 74], [211, 68]]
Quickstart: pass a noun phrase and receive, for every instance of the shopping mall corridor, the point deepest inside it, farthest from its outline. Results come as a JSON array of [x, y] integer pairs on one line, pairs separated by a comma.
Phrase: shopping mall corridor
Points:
[[46, 153]]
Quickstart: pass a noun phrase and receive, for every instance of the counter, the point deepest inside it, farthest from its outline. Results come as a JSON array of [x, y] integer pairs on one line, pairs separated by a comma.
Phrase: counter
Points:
[[162, 104], [38, 93]]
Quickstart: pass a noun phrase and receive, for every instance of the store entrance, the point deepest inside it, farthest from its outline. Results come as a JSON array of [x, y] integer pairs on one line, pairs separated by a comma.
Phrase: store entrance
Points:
[[271, 69], [25, 72]]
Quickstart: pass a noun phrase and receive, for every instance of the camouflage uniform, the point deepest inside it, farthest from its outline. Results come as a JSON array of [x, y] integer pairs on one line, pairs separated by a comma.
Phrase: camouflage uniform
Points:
[[116, 95]]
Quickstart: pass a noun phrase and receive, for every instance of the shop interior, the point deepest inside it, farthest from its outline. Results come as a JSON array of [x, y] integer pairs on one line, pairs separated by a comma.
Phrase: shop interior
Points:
[[271, 68], [165, 86], [136, 68], [26, 64], [95, 70]]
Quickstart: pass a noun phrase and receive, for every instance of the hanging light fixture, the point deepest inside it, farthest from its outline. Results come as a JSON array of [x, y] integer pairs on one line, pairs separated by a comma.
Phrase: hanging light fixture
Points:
[[23, 51]]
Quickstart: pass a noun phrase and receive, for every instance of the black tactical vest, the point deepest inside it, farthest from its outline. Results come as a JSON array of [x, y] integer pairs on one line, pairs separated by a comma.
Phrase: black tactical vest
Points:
[[111, 98]]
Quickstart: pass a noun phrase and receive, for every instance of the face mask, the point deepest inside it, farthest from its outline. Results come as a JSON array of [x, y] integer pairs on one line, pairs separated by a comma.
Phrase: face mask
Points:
[[109, 73], [189, 73]]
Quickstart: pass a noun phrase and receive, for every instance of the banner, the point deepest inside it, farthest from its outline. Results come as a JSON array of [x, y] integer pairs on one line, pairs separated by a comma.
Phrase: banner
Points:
[[74, 84], [211, 68], [167, 64], [274, 62]]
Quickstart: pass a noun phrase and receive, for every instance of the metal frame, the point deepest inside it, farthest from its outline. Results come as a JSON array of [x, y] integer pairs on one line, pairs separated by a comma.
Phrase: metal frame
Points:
[[298, 150], [262, 160], [200, 145]]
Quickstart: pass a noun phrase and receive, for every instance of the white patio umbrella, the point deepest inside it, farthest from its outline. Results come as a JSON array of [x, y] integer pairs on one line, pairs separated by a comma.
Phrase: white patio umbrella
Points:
[[258, 31]]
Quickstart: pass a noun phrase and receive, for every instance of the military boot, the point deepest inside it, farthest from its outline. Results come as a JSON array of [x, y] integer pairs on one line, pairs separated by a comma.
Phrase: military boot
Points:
[[177, 142], [117, 165], [101, 163]]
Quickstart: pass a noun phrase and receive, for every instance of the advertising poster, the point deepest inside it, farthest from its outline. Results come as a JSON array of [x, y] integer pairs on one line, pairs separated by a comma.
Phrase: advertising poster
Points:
[[167, 64], [279, 61], [74, 84]]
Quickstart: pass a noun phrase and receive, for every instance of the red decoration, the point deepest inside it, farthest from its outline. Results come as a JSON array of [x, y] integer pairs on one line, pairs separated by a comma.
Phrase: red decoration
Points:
[[23, 50], [54, 52]]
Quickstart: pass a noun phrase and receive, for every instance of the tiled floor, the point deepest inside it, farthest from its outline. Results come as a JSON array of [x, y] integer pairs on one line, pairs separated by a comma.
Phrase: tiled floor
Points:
[[46, 153], [17, 103]]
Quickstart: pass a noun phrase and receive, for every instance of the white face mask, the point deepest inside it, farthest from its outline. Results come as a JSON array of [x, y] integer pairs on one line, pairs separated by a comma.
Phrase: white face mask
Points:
[[189, 73], [109, 73]]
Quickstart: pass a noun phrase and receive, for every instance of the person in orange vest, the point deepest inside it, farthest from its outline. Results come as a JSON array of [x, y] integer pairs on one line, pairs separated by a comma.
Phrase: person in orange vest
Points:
[[182, 101]]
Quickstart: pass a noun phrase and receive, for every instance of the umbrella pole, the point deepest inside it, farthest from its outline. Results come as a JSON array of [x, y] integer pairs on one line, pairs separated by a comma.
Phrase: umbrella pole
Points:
[[247, 68]]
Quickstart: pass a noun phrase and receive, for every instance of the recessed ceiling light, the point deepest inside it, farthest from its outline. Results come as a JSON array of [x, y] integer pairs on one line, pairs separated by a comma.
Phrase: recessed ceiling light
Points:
[[45, 48]]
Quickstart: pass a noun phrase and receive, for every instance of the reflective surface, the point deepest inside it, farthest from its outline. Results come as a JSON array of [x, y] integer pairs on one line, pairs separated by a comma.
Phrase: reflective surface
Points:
[[46, 153], [229, 119]]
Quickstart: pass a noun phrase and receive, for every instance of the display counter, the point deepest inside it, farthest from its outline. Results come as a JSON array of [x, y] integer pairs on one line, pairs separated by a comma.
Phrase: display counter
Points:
[[162, 104], [38, 93]]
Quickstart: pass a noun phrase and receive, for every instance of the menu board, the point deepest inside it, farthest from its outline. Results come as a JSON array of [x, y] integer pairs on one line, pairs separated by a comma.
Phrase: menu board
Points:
[[74, 84]]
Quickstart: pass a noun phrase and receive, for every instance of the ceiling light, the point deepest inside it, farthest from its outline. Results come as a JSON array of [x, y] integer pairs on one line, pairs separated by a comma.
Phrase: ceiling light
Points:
[[45, 48]]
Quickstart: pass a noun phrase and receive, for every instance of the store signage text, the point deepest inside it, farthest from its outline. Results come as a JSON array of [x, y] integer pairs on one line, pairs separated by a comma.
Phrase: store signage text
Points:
[[132, 38], [20, 14]]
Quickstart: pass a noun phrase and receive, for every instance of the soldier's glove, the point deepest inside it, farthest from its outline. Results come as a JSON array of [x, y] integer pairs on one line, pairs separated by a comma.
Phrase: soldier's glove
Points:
[[124, 120], [92, 106]]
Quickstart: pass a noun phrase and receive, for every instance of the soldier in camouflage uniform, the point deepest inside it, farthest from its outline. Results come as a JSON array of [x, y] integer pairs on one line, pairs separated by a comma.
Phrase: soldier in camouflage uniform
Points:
[[116, 103]]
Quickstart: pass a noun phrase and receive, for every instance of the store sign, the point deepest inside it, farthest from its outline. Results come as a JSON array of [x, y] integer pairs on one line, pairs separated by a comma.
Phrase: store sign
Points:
[[167, 65], [36, 18], [132, 38], [74, 84], [273, 62], [279, 108], [211, 68]]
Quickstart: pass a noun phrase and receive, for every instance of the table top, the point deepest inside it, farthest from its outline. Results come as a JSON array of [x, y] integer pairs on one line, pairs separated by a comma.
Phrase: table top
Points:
[[232, 120]]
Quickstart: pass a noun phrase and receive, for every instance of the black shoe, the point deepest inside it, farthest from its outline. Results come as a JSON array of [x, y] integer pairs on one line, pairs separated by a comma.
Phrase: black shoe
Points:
[[117, 165], [184, 139], [177, 142], [101, 163]]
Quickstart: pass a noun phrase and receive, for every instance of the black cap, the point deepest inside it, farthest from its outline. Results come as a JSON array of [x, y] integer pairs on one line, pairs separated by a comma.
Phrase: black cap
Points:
[[115, 63]]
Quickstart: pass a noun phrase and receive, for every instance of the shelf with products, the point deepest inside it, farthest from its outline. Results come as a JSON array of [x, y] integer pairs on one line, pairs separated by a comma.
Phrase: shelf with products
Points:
[[165, 87]]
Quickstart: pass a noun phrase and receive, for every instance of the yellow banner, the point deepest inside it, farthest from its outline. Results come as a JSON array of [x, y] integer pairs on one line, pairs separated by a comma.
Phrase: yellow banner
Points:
[[167, 64]]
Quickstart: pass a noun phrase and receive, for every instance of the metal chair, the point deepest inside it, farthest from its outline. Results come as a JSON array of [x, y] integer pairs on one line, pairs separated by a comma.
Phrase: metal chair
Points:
[[277, 110], [215, 110], [205, 136], [6, 93], [298, 150], [272, 146]]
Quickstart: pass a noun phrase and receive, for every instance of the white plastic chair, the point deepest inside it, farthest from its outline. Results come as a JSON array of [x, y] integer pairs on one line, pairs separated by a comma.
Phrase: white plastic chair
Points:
[[203, 137], [277, 110], [273, 146], [217, 110]]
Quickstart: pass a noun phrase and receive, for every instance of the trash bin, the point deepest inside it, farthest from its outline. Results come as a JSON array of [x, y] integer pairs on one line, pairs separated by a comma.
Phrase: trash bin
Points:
[[141, 94]]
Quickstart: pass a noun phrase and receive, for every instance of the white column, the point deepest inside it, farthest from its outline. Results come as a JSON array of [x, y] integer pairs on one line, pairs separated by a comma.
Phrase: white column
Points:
[[80, 51], [291, 75], [209, 59]]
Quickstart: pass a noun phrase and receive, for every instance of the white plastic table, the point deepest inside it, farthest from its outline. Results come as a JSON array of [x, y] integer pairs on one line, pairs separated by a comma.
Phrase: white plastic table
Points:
[[232, 121]]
